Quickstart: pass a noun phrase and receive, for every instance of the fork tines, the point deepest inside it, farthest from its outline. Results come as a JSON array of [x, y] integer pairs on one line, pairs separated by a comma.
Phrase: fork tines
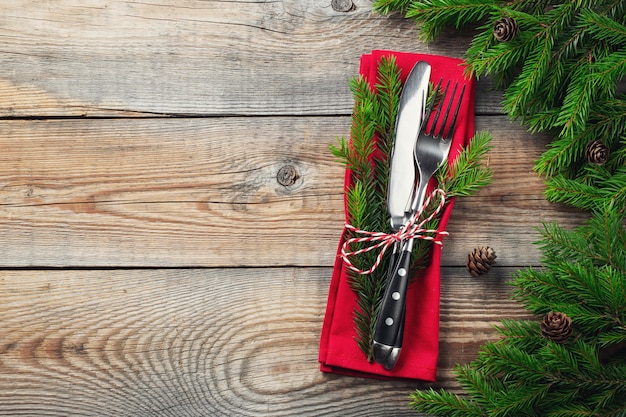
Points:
[[437, 131]]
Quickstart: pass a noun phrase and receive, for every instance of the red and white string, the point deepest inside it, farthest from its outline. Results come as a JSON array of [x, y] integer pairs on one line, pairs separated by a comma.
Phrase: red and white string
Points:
[[411, 230]]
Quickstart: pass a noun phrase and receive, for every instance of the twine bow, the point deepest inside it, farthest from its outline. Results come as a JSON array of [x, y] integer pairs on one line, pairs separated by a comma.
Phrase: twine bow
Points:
[[411, 230]]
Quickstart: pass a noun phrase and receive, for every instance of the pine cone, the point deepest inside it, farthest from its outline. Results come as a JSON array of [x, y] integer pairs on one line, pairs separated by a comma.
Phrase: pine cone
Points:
[[556, 327], [480, 260], [505, 29], [596, 152]]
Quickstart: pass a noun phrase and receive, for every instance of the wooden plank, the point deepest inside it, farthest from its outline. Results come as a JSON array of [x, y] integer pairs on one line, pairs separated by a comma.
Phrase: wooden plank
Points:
[[204, 192], [169, 192], [205, 342], [193, 57]]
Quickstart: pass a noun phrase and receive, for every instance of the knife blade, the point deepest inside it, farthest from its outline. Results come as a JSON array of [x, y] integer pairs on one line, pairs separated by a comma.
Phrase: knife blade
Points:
[[389, 328], [402, 165]]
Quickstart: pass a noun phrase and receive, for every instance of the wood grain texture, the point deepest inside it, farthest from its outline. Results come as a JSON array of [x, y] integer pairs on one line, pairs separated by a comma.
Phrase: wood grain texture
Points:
[[193, 57], [204, 192], [170, 212], [218, 342], [169, 192]]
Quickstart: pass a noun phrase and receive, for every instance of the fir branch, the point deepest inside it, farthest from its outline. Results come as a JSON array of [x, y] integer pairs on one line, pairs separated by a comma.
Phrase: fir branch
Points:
[[611, 338], [387, 6], [583, 275], [521, 334], [444, 403], [559, 72], [369, 291], [486, 56], [607, 231], [388, 88], [434, 15], [577, 102], [562, 153], [468, 174], [355, 195], [589, 82], [366, 199], [537, 60], [597, 189], [482, 387], [602, 27], [605, 70], [574, 193], [607, 122], [512, 363]]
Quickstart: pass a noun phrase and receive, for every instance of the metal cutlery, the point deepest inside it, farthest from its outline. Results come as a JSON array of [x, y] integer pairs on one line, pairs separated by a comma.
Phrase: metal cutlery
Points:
[[430, 150], [402, 171]]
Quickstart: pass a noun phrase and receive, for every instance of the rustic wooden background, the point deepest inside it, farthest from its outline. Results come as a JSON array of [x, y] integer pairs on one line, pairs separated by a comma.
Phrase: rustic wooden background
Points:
[[152, 264]]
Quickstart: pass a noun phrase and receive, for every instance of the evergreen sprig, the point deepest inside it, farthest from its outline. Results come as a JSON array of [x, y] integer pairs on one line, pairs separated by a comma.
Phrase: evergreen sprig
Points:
[[561, 73], [467, 174], [583, 275], [367, 156], [592, 190]]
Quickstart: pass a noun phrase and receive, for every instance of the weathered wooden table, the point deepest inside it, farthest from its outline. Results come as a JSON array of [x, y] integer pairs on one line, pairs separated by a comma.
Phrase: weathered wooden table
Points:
[[169, 209]]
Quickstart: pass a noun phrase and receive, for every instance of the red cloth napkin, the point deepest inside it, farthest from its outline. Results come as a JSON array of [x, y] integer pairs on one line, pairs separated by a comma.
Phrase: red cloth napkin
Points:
[[339, 352]]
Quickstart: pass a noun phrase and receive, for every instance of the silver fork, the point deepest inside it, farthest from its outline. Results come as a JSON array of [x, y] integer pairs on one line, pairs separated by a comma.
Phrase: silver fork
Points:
[[431, 150]]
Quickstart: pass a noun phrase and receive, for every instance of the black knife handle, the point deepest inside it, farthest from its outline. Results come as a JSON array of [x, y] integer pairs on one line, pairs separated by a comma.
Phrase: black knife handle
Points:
[[390, 323]]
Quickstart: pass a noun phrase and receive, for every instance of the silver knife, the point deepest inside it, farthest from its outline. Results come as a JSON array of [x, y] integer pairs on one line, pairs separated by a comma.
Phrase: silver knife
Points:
[[389, 327], [408, 123]]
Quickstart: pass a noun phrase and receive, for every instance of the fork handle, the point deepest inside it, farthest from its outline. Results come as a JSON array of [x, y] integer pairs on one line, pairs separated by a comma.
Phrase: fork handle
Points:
[[420, 194]]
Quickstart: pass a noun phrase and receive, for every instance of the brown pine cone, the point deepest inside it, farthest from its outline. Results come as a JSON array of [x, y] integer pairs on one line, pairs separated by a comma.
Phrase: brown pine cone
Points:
[[480, 260], [505, 29], [556, 327], [596, 152]]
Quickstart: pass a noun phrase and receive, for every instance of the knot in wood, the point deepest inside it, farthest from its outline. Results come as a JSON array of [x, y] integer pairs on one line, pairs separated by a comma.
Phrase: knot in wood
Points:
[[287, 175], [342, 5]]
